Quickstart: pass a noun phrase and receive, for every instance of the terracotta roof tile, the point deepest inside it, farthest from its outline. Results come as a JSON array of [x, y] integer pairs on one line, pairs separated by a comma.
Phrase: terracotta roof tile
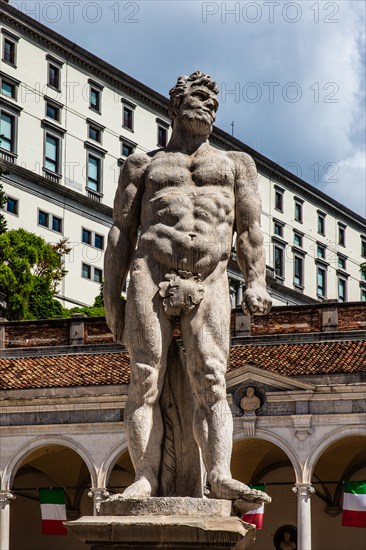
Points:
[[113, 368]]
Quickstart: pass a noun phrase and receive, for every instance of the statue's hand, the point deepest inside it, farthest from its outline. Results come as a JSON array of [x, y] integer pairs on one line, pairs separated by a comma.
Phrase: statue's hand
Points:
[[115, 318], [257, 301]]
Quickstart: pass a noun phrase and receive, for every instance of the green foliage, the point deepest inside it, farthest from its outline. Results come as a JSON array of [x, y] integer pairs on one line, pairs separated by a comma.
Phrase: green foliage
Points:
[[96, 310], [363, 267], [30, 270], [3, 225]]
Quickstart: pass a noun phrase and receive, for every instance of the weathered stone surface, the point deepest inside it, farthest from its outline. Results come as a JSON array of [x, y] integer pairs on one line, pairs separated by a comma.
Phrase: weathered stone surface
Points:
[[175, 532], [186, 200], [165, 506]]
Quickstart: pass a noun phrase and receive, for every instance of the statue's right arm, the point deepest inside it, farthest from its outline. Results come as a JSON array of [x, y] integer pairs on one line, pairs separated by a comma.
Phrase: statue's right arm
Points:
[[122, 240]]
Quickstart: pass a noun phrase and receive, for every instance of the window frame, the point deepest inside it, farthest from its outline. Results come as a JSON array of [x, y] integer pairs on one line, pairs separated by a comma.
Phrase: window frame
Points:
[[98, 181], [321, 247], [281, 273], [98, 88], [55, 105], [300, 236], [323, 269], [13, 82], [299, 258], [91, 124], [16, 203], [57, 172], [279, 193], [91, 270], [13, 40], [93, 235], [363, 246], [342, 280], [130, 144], [342, 234], [12, 140], [321, 216], [129, 107], [298, 210]]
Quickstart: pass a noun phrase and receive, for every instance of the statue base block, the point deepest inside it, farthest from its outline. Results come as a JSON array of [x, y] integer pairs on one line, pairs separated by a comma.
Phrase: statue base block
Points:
[[174, 532], [143, 524]]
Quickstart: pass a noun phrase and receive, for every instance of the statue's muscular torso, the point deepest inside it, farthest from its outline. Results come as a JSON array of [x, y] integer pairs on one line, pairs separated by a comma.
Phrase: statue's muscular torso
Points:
[[188, 210]]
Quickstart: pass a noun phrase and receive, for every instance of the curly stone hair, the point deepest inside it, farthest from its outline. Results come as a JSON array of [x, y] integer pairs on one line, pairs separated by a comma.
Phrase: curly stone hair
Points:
[[184, 83]]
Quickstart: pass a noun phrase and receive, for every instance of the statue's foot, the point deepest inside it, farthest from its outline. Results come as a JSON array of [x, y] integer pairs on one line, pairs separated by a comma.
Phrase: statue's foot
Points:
[[231, 489], [139, 489]]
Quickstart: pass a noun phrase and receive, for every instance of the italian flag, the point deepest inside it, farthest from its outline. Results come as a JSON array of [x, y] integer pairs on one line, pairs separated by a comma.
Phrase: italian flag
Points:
[[53, 511], [255, 516], [354, 504]]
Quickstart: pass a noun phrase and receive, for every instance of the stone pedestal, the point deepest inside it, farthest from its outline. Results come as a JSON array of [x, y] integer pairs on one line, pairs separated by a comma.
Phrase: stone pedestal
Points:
[[175, 523]]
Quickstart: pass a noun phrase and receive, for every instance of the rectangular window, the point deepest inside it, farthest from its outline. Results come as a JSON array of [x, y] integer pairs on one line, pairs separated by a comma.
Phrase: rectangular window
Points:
[[57, 224], [127, 118], [8, 89], [54, 76], [52, 111], [363, 247], [9, 51], [320, 251], [99, 241], [321, 224], [341, 262], [12, 205], [43, 218], [298, 211], [94, 99], [279, 200], [363, 294], [342, 289], [298, 270], [94, 164], [278, 229], [363, 276], [298, 240], [162, 136], [321, 281], [127, 149], [98, 275], [51, 162], [94, 133], [278, 261], [86, 271], [7, 133], [341, 235], [86, 236]]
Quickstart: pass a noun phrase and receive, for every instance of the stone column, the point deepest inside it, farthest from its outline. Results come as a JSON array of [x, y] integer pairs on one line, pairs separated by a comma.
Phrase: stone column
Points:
[[304, 492], [5, 498], [98, 494]]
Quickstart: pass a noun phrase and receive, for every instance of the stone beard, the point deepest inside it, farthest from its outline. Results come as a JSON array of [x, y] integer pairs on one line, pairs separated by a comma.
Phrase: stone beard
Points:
[[186, 200]]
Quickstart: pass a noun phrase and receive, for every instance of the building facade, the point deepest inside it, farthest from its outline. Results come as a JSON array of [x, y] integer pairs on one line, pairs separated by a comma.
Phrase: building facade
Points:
[[68, 122], [63, 391]]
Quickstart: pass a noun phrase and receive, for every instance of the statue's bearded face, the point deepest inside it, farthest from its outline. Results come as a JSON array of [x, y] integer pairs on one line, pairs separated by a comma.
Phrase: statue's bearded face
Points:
[[198, 107]]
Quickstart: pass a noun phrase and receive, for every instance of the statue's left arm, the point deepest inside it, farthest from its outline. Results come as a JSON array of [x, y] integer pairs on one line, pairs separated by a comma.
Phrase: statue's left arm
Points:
[[249, 243]]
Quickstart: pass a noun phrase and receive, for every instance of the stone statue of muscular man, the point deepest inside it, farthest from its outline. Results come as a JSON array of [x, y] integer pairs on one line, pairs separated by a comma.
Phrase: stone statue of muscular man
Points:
[[185, 201]]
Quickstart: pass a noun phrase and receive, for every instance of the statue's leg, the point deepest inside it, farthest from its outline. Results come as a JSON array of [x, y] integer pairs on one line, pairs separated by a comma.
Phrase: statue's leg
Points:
[[206, 337], [147, 336]]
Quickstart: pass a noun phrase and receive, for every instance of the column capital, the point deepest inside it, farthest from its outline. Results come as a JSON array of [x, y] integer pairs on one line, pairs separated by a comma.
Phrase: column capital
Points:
[[98, 494], [303, 489], [6, 497]]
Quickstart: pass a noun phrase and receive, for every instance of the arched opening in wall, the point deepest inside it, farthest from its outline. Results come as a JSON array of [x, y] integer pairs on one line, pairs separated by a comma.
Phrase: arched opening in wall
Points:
[[256, 461], [121, 475], [343, 460], [48, 466]]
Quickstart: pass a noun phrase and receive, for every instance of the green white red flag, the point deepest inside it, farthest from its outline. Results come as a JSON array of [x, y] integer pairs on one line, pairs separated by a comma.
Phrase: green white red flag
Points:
[[354, 504], [53, 511], [255, 516]]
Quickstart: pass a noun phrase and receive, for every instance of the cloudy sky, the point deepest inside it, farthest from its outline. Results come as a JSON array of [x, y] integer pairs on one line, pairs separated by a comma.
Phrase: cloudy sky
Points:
[[291, 74]]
